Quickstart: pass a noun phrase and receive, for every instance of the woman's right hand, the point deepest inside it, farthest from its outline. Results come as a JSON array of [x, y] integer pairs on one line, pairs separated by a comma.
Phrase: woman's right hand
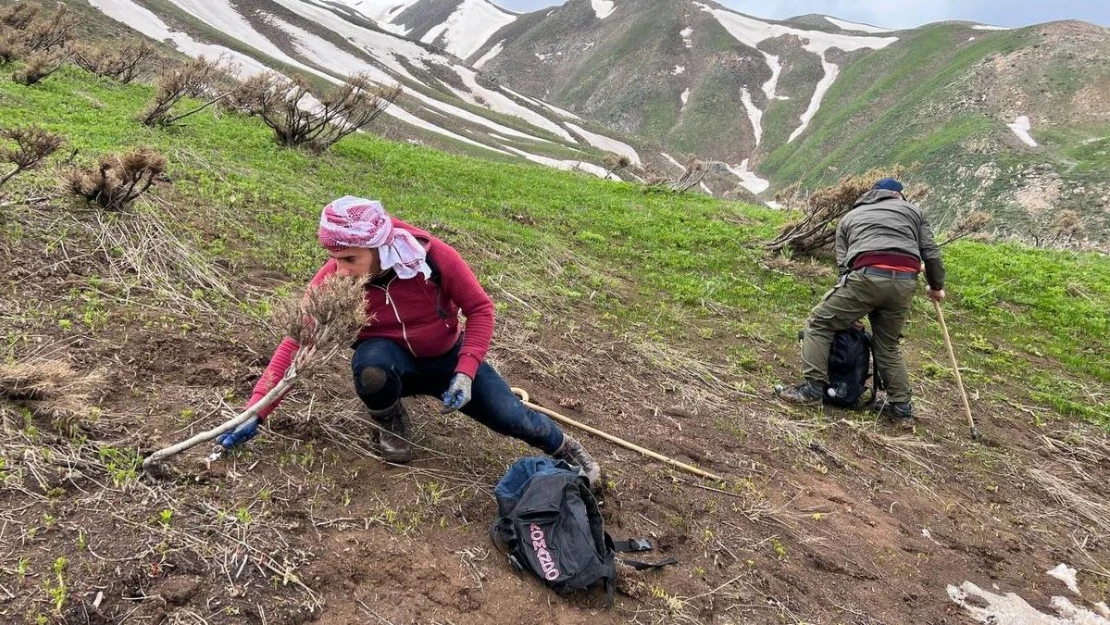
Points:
[[240, 435]]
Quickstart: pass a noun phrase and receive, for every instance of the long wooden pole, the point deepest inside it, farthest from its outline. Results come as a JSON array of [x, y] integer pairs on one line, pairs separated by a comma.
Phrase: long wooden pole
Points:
[[523, 394], [956, 369]]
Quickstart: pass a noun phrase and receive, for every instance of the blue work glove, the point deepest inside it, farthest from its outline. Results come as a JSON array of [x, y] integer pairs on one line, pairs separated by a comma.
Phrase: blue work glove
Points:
[[240, 435], [458, 393]]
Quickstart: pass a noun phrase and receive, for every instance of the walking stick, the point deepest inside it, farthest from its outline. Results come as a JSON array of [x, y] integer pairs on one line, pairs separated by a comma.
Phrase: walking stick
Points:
[[523, 395], [956, 368]]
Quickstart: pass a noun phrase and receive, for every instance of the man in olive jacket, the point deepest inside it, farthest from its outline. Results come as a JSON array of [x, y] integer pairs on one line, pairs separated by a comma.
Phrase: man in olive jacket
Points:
[[880, 246]]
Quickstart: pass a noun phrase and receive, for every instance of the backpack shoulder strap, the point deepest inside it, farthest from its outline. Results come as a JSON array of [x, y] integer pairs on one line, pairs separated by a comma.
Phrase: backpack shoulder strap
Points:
[[636, 545]]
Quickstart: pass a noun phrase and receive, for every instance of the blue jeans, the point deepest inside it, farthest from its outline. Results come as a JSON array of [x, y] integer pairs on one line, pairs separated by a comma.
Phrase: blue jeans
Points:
[[492, 403]]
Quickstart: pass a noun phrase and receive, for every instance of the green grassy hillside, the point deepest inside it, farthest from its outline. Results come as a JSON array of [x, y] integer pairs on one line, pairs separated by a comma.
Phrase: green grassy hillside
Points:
[[556, 248]]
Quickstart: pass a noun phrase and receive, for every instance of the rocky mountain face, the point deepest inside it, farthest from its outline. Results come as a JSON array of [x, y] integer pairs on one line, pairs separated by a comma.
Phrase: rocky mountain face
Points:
[[1013, 122]]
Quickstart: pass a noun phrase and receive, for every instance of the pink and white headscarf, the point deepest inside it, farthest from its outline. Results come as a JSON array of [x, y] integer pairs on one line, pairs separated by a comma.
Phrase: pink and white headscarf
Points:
[[356, 222]]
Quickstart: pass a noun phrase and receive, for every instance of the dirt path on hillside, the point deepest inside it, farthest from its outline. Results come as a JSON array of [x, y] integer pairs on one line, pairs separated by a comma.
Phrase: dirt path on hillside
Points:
[[826, 517]]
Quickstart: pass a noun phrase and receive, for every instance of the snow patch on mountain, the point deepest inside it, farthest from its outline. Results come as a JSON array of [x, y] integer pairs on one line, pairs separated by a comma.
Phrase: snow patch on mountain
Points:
[[988, 27], [608, 144], [686, 34], [501, 103], [754, 114], [142, 20], [673, 161], [603, 8], [1021, 127], [856, 26], [678, 69], [492, 52], [561, 112], [751, 32], [470, 26], [832, 70], [589, 168], [382, 11], [685, 96], [748, 179]]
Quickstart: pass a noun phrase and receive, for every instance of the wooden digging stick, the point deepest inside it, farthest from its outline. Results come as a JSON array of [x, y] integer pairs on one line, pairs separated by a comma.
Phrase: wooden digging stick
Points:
[[523, 395], [956, 369]]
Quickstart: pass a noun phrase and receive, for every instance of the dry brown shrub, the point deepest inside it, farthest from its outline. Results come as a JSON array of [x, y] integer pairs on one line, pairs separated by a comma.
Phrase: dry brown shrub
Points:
[[51, 388], [970, 225], [19, 15], [327, 316], [11, 46], [50, 32], [289, 108], [815, 232], [196, 78], [38, 66], [614, 162], [32, 145], [122, 63], [118, 179]]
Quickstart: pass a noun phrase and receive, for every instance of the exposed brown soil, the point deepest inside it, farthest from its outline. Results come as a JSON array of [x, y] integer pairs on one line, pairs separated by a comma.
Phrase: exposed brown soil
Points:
[[827, 516]]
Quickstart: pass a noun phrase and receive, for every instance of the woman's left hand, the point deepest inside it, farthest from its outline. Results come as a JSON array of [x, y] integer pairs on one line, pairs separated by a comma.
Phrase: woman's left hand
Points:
[[458, 393]]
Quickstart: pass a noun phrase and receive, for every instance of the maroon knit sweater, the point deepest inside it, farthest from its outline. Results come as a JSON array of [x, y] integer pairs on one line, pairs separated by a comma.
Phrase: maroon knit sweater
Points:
[[420, 315]]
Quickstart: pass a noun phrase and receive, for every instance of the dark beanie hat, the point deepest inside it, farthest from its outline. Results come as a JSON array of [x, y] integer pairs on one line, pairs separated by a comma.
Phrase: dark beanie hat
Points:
[[890, 184]]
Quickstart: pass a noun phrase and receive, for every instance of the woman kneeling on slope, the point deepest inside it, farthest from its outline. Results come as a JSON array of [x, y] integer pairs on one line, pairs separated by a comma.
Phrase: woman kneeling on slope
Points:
[[416, 286]]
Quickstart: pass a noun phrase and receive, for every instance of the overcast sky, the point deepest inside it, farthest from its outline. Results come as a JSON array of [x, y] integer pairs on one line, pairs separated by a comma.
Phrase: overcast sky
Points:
[[904, 14]]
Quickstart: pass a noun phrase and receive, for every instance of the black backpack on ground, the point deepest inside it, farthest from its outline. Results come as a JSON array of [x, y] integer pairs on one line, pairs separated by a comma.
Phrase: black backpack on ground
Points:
[[849, 368], [550, 524]]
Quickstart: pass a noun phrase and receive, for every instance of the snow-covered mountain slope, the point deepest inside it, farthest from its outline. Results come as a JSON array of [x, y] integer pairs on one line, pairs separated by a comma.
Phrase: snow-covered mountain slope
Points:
[[444, 102]]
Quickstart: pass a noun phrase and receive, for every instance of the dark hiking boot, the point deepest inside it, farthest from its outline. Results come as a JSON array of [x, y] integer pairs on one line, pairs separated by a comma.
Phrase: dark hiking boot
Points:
[[899, 413], [575, 454], [394, 435], [804, 394]]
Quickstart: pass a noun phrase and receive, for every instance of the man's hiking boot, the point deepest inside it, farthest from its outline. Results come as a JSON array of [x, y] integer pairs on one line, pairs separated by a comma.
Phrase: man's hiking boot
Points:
[[804, 394], [575, 454], [899, 413], [394, 435]]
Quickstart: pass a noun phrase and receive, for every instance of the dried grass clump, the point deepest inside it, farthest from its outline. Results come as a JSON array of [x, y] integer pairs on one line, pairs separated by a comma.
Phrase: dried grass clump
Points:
[[117, 180], [32, 145], [297, 118], [1095, 511], [815, 232], [121, 63], [194, 79], [51, 388]]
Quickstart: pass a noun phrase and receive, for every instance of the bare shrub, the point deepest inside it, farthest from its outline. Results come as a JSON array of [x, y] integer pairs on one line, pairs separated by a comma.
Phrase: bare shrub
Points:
[[50, 32], [51, 388], [122, 63], [297, 118], [19, 15], [117, 180], [614, 162], [970, 224], [815, 232], [194, 79], [32, 146], [38, 67]]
